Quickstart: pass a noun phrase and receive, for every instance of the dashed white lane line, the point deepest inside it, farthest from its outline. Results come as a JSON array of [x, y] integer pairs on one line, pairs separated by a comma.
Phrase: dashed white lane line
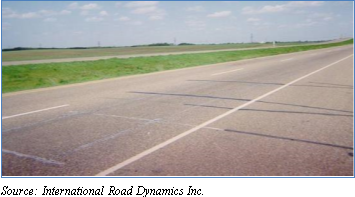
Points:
[[36, 158], [171, 140], [286, 60], [32, 112], [227, 72]]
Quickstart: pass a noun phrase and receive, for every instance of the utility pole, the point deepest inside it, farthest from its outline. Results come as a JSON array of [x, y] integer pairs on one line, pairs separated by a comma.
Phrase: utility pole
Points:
[[251, 38], [175, 41], [98, 44]]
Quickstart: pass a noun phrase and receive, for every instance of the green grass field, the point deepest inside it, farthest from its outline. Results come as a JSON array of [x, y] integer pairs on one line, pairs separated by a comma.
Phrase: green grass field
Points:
[[8, 56], [75, 53], [24, 77]]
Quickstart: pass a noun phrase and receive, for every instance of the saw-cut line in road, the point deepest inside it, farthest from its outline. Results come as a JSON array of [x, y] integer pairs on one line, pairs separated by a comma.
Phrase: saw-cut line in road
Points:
[[171, 140], [36, 158], [32, 112], [227, 72]]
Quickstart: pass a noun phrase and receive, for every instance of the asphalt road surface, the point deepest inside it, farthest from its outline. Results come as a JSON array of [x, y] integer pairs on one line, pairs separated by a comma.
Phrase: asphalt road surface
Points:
[[24, 62], [287, 115]]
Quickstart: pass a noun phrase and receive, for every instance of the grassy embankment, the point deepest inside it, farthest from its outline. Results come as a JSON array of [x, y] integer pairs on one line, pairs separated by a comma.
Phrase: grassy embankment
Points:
[[24, 77]]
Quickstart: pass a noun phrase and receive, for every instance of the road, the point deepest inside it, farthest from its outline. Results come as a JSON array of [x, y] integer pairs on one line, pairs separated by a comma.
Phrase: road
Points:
[[24, 62], [286, 115]]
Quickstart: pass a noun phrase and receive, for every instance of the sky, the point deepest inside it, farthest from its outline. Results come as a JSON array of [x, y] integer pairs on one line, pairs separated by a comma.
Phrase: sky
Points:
[[126, 23]]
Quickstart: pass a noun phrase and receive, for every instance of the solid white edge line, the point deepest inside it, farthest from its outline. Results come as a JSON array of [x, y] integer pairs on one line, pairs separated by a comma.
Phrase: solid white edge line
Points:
[[31, 112], [227, 71], [171, 140], [36, 158]]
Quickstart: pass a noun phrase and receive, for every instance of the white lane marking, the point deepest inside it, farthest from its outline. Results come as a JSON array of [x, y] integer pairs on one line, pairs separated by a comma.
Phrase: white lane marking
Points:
[[31, 112], [286, 60], [40, 159], [171, 140], [227, 72]]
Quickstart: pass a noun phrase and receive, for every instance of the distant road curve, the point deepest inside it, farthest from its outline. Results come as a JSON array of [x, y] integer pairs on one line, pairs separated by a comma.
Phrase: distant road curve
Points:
[[13, 63]]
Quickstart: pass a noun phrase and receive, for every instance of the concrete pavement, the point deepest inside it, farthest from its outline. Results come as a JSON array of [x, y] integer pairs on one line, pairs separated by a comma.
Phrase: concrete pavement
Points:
[[138, 126]]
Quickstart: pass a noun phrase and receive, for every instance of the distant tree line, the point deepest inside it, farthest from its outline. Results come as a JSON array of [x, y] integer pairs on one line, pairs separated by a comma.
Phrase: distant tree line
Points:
[[305, 41], [162, 44], [154, 45], [23, 48], [30, 48]]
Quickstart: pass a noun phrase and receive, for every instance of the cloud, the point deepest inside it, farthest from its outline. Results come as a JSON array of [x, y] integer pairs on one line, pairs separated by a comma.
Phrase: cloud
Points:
[[5, 26], [135, 23], [314, 19], [156, 17], [134, 4], [322, 16], [74, 5], [29, 15], [159, 14], [305, 3], [53, 13], [265, 9], [103, 13], [328, 18], [50, 20], [128, 20], [144, 10], [220, 14], [124, 18], [9, 13], [147, 8], [281, 7], [65, 12], [85, 8], [84, 13], [306, 23], [90, 6], [118, 4], [94, 19], [47, 12], [253, 19], [195, 9]]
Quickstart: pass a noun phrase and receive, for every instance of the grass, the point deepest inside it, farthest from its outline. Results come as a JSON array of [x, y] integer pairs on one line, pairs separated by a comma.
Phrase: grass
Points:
[[24, 77], [75, 53], [8, 56]]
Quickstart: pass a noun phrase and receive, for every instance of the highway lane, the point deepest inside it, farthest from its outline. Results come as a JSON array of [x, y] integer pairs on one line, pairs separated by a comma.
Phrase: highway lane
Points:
[[303, 129]]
